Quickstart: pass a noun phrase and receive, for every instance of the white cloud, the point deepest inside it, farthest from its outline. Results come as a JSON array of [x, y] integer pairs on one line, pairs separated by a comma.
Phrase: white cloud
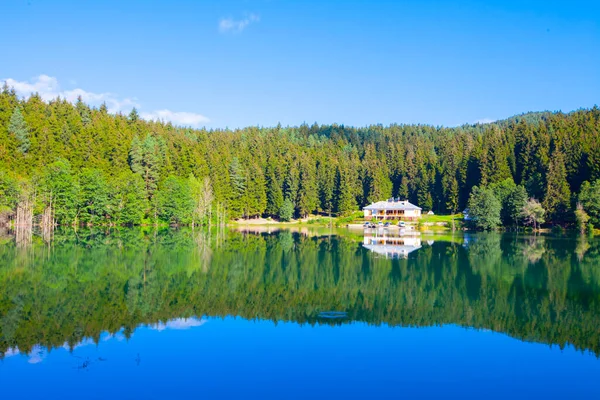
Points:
[[179, 324], [108, 336], [36, 355], [84, 342], [177, 118], [236, 26], [484, 121], [12, 351], [49, 88]]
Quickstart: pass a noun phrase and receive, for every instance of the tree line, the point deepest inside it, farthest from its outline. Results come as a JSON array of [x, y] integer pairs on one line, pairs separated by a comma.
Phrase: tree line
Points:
[[63, 163]]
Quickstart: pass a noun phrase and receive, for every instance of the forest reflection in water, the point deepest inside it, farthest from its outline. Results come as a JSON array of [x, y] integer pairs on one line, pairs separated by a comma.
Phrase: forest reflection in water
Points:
[[78, 285]]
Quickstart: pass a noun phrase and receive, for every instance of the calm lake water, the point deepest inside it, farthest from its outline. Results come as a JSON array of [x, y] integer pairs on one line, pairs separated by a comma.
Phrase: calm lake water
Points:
[[308, 314]]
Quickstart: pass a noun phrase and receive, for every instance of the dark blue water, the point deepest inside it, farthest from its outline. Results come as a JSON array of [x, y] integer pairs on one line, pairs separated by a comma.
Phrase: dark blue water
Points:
[[236, 358]]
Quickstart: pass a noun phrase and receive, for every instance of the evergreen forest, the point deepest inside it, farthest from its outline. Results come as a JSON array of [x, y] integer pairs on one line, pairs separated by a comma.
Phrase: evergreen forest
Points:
[[67, 164]]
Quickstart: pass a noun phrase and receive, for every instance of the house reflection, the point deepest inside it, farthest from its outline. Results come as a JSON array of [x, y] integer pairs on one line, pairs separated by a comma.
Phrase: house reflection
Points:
[[390, 244]]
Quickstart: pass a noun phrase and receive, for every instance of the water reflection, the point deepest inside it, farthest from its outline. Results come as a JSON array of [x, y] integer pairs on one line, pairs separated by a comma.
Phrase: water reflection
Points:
[[391, 244], [92, 284]]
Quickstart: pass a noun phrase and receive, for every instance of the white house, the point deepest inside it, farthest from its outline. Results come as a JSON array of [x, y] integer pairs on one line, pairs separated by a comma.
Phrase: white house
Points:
[[392, 209]]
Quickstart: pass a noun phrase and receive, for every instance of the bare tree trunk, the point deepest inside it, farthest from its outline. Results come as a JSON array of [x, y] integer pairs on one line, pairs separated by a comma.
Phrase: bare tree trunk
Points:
[[23, 235], [24, 222], [24, 213]]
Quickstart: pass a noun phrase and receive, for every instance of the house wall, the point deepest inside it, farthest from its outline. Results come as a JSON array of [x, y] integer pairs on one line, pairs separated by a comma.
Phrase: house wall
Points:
[[407, 215], [412, 213]]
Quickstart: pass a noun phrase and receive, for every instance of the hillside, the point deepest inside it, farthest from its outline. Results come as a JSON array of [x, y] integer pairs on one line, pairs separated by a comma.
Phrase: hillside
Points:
[[90, 166]]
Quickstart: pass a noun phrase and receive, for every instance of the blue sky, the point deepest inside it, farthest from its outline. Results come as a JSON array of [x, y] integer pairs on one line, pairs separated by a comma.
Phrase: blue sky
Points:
[[239, 63]]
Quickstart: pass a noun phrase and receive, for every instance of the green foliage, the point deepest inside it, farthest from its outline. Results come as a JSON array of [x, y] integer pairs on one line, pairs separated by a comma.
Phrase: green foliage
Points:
[[9, 192], [321, 169], [589, 197], [502, 189], [308, 199], [345, 191], [93, 196], [60, 191], [377, 184], [494, 159], [255, 195], [274, 192], [237, 181], [326, 175], [582, 218], [512, 207], [484, 208], [512, 197], [451, 194], [128, 203], [286, 213], [17, 127], [90, 282], [533, 213], [202, 196], [175, 202], [558, 195], [146, 160]]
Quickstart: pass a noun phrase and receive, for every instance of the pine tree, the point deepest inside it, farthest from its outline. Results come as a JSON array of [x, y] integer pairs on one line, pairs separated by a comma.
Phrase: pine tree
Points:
[[451, 193], [60, 191], [175, 202], [376, 182], [424, 198], [494, 162], [128, 202], [286, 212], [255, 195], [345, 198], [307, 192], [18, 127], [274, 192], [593, 160], [326, 177], [9, 192], [145, 159], [512, 209], [237, 181], [558, 195], [65, 135], [136, 157], [93, 196], [403, 188], [523, 151], [84, 112], [291, 183], [134, 116]]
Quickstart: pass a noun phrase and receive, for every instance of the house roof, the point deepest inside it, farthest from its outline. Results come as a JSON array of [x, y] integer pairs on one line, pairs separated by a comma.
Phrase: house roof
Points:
[[392, 204]]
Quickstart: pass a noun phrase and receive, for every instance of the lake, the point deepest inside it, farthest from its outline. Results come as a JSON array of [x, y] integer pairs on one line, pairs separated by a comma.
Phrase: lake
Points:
[[310, 313]]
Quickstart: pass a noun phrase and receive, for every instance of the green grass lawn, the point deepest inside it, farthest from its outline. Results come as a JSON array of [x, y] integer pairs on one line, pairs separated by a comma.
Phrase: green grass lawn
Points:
[[441, 218]]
